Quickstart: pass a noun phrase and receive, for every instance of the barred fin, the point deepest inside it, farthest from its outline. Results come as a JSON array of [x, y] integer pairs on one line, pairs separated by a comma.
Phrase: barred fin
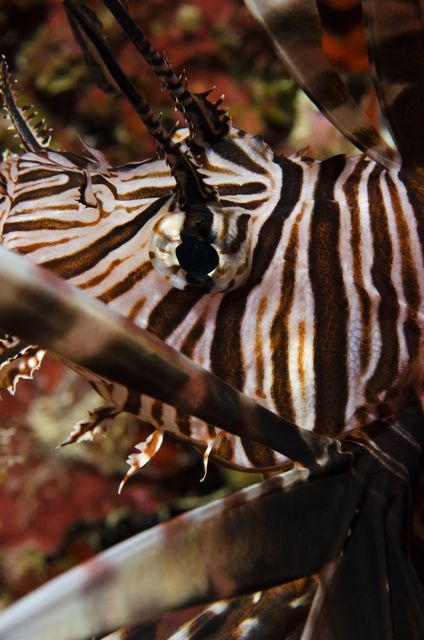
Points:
[[148, 449], [207, 122], [395, 35], [199, 557], [365, 504], [34, 138], [79, 14], [273, 613], [295, 30], [97, 422], [18, 361]]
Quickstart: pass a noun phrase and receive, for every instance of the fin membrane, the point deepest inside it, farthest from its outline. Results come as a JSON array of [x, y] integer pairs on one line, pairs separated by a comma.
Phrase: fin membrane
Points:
[[18, 361], [395, 34], [295, 30]]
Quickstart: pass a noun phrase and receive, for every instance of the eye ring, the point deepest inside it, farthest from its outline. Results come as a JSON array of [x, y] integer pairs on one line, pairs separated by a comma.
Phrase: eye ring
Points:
[[220, 262]]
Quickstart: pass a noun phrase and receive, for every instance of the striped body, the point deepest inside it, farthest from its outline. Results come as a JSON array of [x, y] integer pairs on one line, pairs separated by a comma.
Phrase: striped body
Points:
[[326, 329], [298, 282]]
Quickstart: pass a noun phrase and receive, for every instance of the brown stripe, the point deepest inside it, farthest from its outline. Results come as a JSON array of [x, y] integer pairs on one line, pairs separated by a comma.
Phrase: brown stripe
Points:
[[95, 280], [242, 227], [414, 187], [3, 180], [410, 285], [133, 402], [330, 339], [258, 454], [43, 173], [229, 150], [226, 353], [225, 449], [300, 356], [249, 206], [136, 308], [183, 423], [259, 360], [171, 311], [81, 261], [193, 337], [46, 224], [75, 180], [157, 411], [144, 193], [72, 205], [281, 391], [388, 308], [130, 280], [98, 178], [249, 188], [187, 348], [351, 189], [30, 248]]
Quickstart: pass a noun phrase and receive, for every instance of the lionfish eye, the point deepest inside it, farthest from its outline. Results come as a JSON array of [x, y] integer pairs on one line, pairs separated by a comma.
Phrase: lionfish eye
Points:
[[197, 257], [219, 259]]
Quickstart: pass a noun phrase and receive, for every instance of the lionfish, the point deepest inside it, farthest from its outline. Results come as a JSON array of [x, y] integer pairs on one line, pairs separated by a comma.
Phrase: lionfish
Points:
[[297, 282]]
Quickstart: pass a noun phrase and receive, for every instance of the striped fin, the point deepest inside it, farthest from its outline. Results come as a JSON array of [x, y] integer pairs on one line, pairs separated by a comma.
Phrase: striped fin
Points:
[[18, 361], [147, 450], [95, 63], [273, 613], [207, 122], [295, 30], [34, 138], [97, 422], [269, 614], [208, 541], [395, 33], [358, 516]]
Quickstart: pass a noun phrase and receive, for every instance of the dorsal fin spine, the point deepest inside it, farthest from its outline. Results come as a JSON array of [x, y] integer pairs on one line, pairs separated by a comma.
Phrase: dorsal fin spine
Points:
[[190, 184], [206, 122], [34, 138]]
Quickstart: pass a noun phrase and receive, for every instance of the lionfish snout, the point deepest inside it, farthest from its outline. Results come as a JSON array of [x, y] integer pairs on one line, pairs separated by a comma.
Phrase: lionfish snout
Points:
[[207, 247]]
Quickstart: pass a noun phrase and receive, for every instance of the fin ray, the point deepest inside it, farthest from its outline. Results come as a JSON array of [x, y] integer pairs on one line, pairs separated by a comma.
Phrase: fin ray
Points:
[[395, 35], [303, 56], [34, 138]]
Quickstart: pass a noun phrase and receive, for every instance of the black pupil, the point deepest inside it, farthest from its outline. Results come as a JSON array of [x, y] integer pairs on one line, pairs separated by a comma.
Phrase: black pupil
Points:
[[197, 257]]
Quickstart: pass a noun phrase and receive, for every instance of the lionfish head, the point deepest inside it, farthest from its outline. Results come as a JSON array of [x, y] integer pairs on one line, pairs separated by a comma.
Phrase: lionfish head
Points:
[[195, 242]]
